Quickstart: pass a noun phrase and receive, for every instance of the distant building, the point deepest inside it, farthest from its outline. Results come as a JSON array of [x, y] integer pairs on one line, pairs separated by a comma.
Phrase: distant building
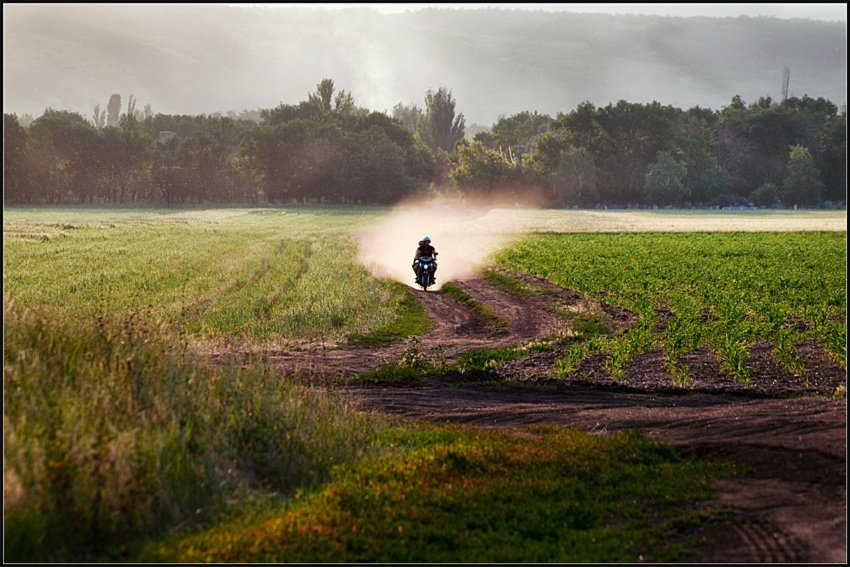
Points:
[[163, 136]]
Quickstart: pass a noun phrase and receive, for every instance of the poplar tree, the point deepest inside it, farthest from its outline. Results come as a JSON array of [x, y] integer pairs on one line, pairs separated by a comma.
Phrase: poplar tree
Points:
[[440, 128]]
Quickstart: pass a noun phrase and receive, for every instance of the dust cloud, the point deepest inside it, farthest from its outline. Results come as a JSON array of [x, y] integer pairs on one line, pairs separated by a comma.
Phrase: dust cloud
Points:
[[463, 238]]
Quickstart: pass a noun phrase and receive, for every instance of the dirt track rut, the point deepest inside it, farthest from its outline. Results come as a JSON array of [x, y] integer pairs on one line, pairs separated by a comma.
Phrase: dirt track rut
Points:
[[791, 506], [455, 329]]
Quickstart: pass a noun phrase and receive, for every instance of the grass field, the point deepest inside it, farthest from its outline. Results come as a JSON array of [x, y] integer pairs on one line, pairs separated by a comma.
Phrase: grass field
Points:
[[260, 274], [116, 438]]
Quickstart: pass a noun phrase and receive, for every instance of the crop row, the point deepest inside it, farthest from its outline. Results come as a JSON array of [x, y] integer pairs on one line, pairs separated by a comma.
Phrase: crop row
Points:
[[726, 291]]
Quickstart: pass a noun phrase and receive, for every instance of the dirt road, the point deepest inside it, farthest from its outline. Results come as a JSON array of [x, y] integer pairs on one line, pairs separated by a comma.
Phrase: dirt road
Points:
[[790, 507]]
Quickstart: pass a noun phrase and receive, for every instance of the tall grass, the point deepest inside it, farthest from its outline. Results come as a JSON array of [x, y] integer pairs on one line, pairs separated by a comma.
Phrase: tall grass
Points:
[[113, 434]]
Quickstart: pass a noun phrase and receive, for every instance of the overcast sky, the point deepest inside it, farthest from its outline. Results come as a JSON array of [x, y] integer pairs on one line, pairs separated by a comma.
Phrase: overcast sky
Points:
[[173, 57], [834, 12]]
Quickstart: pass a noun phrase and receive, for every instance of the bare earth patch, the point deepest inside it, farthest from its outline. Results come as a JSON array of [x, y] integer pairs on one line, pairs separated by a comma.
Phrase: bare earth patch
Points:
[[788, 434]]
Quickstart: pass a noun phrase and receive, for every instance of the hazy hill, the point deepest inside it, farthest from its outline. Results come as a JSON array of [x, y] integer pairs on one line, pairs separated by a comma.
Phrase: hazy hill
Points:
[[193, 59]]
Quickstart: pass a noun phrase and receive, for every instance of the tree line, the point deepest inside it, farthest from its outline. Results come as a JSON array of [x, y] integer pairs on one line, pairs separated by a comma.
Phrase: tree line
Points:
[[763, 154], [327, 149]]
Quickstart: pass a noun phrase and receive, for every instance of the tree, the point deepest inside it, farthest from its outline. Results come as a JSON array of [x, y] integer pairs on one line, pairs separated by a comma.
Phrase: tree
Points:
[[753, 141], [519, 129], [136, 145], [479, 170], [168, 174], [665, 180], [486, 138], [323, 96], [630, 137], [209, 161], [262, 153], [65, 149], [440, 128], [420, 163], [408, 115], [736, 105], [181, 125], [202, 174], [696, 145], [582, 126], [379, 168], [575, 180], [15, 178], [99, 117], [786, 80], [26, 120], [124, 160], [323, 100], [131, 107], [765, 195], [832, 157], [113, 110], [249, 115], [803, 185], [344, 102], [544, 157], [709, 182]]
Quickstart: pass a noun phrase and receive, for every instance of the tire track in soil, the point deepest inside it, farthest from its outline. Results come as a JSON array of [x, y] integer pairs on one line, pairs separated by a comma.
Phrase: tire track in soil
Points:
[[791, 507], [455, 329]]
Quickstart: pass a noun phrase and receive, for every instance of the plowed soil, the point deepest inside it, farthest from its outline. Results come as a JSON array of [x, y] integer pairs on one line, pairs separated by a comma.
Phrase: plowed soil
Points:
[[790, 435]]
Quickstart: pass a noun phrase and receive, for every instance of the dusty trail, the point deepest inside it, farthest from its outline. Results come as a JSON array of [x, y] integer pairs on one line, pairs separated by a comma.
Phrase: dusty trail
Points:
[[791, 506], [455, 329]]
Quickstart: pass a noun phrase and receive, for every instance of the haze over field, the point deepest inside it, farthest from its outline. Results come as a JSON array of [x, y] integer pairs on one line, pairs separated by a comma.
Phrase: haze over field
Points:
[[467, 237], [201, 59]]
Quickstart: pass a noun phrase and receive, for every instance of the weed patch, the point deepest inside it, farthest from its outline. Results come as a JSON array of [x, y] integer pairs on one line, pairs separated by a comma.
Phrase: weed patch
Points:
[[463, 495], [418, 363], [411, 320], [497, 322]]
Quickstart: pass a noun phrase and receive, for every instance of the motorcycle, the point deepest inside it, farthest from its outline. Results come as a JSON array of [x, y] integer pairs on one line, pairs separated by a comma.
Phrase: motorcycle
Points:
[[427, 267]]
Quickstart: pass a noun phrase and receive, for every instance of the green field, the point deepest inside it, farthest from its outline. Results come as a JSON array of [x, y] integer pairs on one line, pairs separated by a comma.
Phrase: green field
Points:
[[120, 445], [257, 273], [724, 290]]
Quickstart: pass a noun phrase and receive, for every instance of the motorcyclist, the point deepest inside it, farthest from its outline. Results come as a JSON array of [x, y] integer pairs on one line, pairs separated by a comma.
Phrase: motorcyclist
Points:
[[424, 249]]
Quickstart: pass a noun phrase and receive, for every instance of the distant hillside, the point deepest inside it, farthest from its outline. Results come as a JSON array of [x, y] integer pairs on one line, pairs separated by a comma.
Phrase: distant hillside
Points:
[[193, 59]]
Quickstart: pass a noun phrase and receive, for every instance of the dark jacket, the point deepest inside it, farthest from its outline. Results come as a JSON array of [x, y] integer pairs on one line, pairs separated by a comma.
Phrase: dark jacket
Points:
[[424, 249]]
